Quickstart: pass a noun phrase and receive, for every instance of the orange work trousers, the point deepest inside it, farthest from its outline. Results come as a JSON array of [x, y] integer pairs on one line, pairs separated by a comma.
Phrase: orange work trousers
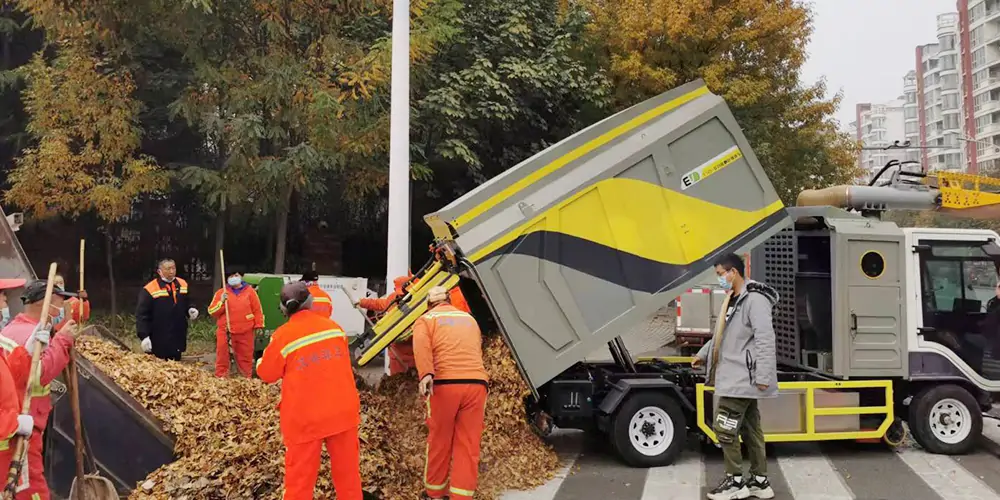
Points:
[[302, 466], [37, 489], [401, 357], [455, 422], [242, 351]]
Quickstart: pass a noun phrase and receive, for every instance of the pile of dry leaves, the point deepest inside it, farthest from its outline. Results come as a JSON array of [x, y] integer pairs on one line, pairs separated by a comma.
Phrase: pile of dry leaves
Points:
[[229, 444]]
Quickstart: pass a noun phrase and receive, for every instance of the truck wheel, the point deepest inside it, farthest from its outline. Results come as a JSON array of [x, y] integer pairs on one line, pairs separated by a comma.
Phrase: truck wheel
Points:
[[648, 430], [946, 420]]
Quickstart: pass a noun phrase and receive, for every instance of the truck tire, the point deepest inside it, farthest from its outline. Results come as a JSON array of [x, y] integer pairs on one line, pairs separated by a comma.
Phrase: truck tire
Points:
[[946, 420], [648, 430]]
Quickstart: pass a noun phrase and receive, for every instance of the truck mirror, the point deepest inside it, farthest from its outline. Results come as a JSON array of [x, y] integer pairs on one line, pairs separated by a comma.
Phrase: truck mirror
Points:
[[991, 249]]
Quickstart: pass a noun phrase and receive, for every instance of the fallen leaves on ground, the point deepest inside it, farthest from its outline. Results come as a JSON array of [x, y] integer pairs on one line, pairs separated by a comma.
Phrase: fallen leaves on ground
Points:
[[229, 445]]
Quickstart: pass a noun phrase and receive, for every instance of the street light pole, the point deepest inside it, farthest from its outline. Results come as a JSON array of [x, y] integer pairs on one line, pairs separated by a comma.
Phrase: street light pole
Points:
[[398, 248]]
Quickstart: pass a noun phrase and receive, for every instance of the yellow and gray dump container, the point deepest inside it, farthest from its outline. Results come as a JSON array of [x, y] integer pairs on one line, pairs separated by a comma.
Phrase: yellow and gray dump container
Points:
[[578, 243]]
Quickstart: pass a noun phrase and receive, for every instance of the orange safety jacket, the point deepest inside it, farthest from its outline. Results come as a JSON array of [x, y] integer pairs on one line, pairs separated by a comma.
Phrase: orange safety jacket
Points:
[[319, 398], [14, 368], [322, 303], [78, 310], [448, 345], [245, 313]]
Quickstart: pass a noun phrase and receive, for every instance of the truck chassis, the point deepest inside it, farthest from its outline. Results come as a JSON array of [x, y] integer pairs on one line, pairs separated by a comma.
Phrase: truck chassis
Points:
[[648, 409]]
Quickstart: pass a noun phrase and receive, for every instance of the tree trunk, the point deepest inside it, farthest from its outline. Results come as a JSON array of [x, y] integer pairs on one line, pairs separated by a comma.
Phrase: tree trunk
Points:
[[109, 240], [220, 239], [282, 231]]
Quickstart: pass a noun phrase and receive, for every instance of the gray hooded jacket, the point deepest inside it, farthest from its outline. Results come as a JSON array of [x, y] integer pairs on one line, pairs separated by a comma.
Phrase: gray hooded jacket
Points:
[[747, 355]]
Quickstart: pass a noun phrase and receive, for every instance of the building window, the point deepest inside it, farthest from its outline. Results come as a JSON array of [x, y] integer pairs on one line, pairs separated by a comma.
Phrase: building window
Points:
[[979, 57], [948, 62], [976, 36], [949, 82], [947, 42]]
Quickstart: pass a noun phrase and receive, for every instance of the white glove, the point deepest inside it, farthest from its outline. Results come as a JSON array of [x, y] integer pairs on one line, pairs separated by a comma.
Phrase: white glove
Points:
[[41, 335], [193, 313], [147, 345], [224, 295], [24, 425]]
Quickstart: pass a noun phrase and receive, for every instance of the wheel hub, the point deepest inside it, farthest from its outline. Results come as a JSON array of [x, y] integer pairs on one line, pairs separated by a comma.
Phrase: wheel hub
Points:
[[950, 421], [651, 431], [648, 428]]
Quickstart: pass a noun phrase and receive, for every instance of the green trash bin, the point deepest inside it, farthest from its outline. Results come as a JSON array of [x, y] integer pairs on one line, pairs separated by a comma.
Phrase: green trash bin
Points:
[[268, 288]]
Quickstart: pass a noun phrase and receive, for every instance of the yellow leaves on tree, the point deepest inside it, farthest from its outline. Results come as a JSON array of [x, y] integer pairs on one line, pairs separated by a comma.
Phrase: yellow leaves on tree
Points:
[[741, 48], [85, 159]]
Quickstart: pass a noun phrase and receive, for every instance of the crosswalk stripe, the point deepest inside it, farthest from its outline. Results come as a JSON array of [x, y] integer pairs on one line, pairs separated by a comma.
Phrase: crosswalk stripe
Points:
[[865, 468], [945, 476], [680, 481], [807, 471], [547, 491]]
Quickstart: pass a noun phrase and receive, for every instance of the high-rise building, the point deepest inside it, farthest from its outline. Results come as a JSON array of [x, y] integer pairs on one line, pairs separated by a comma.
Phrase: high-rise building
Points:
[[911, 116], [938, 95], [979, 26], [877, 126]]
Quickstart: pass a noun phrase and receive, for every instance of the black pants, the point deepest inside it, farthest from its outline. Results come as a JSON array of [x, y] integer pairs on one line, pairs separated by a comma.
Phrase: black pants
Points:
[[167, 356]]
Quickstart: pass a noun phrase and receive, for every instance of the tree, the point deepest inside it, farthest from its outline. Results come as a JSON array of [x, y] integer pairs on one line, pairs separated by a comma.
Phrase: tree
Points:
[[750, 52], [510, 84], [86, 160]]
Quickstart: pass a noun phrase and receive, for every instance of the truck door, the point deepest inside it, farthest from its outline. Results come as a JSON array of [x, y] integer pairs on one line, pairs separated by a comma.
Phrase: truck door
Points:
[[874, 306], [958, 287]]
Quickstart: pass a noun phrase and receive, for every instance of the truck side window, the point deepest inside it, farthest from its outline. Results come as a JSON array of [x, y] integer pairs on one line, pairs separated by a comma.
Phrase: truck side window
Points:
[[956, 282]]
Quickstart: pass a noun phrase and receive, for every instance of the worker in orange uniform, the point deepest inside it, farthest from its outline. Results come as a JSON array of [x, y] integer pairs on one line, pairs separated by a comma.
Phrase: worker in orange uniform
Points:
[[449, 353], [14, 369], [400, 353], [77, 308], [319, 399], [322, 303], [245, 317], [23, 330]]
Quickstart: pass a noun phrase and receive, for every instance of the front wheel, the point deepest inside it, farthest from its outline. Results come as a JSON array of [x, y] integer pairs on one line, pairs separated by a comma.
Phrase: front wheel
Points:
[[946, 419], [649, 430]]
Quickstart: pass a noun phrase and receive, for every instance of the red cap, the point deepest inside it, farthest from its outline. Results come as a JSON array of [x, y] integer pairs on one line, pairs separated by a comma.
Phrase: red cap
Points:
[[6, 284]]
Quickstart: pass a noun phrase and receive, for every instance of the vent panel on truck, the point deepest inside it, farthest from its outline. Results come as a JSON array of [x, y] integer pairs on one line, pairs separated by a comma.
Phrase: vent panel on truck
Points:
[[579, 243]]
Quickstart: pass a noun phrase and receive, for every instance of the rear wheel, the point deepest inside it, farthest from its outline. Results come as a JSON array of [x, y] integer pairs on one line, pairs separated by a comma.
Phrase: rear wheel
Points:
[[945, 419], [649, 430]]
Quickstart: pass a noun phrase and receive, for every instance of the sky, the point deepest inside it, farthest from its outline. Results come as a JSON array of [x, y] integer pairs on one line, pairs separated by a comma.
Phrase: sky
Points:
[[864, 47]]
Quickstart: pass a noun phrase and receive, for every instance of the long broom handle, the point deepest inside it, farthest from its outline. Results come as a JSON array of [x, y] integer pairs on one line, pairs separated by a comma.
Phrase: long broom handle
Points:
[[73, 384], [222, 269], [20, 450]]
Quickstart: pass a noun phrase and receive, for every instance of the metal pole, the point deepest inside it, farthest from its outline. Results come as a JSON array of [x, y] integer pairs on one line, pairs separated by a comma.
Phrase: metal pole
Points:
[[398, 251]]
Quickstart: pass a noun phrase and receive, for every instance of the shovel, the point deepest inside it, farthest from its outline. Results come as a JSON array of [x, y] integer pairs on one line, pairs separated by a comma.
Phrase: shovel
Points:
[[85, 486]]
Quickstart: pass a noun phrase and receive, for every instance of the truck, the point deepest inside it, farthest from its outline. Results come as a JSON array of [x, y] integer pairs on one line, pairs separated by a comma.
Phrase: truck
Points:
[[876, 324]]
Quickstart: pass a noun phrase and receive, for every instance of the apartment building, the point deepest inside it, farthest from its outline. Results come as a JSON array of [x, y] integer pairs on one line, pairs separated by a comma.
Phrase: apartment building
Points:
[[979, 25], [911, 116], [939, 98], [876, 127]]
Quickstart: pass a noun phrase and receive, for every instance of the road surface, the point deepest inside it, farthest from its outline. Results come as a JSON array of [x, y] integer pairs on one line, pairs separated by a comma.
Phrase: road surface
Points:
[[832, 471]]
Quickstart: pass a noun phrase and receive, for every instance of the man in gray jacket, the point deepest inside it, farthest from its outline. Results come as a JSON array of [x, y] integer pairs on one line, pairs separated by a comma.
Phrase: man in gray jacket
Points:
[[742, 367]]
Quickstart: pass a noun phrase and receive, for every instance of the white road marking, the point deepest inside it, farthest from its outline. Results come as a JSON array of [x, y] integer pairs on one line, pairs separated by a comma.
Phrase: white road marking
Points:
[[548, 490], [680, 481], [813, 477], [945, 476]]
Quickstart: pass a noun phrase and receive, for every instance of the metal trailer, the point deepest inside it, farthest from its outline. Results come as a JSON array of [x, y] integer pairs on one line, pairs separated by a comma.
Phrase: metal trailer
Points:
[[585, 239]]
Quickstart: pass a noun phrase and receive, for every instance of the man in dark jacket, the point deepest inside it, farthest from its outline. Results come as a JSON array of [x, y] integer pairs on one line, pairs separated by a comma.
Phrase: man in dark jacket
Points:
[[161, 318], [742, 367]]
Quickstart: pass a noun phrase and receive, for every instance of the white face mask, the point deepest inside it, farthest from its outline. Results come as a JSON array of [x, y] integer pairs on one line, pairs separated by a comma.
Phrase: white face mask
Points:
[[234, 281]]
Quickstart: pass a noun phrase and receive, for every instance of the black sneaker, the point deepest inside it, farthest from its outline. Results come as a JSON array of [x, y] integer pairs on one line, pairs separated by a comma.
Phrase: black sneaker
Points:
[[731, 488], [759, 487]]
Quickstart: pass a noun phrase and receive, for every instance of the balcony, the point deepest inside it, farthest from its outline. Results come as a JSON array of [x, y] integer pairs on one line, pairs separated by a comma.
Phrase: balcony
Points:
[[987, 106], [988, 130]]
